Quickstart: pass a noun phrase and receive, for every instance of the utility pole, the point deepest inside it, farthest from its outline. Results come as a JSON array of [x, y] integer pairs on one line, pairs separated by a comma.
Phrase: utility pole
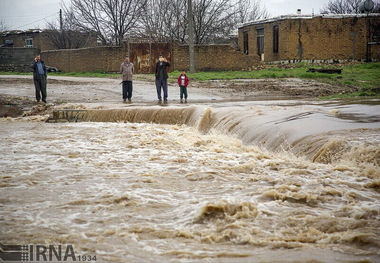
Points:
[[60, 20], [190, 25], [61, 33]]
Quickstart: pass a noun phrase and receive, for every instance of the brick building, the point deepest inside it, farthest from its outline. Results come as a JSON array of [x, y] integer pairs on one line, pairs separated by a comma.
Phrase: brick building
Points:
[[322, 38], [40, 39]]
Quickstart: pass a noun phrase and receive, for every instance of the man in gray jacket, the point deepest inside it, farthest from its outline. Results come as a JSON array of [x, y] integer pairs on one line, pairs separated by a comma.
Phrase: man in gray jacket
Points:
[[126, 68], [39, 78]]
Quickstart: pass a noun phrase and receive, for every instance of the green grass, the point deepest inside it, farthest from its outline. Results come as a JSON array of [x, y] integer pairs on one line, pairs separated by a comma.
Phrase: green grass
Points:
[[14, 73], [101, 75], [361, 75], [70, 74], [359, 94], [365, 76], [298, 72], [86, 74]]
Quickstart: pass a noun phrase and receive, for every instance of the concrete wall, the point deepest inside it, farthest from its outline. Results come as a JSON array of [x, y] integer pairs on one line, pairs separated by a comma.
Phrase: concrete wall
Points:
[[17, 59], [316, 38]]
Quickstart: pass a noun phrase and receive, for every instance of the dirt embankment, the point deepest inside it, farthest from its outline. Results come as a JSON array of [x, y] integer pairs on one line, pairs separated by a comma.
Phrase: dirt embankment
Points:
[[14, 106], [17, 92], [276, 87]]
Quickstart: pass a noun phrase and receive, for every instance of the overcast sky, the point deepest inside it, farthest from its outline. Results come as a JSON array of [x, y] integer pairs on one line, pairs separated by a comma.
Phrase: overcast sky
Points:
[[27, 14]]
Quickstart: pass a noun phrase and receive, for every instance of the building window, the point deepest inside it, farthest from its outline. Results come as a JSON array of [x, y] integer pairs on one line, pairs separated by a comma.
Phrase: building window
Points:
[[275, 38], [375, 33], [8, 42], [260, 41], [29, 42], [245, 41]]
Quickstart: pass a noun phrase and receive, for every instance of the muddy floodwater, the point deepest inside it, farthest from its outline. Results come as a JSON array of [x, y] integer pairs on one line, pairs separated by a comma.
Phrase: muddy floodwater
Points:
[[228, 181]]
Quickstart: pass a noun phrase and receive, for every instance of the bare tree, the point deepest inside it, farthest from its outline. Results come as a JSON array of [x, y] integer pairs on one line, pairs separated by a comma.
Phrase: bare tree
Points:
[[212, 19], [345, 7], [168, 20], [164, 20], [249, 10], [177, 19], [111, 19], [3, 26], [68, 34]]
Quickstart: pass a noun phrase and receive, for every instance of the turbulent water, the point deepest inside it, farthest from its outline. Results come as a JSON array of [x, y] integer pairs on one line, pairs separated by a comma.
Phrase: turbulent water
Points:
[[258, 183], [321, 132]]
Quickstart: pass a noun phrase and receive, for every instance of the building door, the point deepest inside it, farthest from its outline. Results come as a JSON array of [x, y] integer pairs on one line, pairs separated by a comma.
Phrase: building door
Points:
[[260, 42], [145, 55], [245, 41], [275, 39]]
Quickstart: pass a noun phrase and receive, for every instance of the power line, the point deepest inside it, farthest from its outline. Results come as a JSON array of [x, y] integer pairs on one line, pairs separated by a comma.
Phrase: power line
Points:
[[54, 14], [35, 15]]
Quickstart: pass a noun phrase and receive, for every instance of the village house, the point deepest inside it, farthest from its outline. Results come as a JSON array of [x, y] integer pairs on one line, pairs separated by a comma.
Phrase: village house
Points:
[[312, 38], [42, 39], [284, 39]]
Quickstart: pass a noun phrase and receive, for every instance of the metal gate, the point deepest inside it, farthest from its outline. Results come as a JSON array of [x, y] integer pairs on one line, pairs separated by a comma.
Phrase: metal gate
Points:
[[145, 55]]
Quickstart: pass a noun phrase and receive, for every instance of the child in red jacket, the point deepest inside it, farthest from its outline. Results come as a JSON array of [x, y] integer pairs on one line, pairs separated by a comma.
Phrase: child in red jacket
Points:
[[183, 82]]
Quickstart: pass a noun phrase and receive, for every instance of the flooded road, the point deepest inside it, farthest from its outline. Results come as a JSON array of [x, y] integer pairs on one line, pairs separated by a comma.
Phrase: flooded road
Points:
[[238, 181]]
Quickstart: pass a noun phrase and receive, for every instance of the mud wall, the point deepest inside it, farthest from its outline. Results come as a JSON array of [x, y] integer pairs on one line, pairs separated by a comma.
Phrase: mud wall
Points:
[[145, 55], [106, 59], [212, 57], [17, 59]]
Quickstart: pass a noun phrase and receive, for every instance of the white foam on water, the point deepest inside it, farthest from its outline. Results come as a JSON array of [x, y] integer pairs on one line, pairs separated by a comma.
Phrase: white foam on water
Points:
[[155, 193]]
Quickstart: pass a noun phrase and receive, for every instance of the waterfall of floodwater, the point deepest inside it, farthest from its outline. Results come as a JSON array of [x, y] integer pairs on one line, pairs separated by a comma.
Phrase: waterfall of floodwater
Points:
[[313, 134]]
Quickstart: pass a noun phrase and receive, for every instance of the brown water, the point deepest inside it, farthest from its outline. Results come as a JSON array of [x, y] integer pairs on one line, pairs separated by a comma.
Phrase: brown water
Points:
[[235, 184], [322, 132]]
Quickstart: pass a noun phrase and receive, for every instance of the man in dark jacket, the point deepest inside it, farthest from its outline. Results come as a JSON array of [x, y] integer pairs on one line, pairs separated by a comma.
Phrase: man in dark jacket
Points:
[[162, 78], [39, 78]]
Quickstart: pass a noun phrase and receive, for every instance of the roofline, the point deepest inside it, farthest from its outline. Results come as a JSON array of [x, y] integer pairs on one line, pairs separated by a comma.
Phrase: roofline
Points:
[[19, 32], [293, 17], [34, 31]]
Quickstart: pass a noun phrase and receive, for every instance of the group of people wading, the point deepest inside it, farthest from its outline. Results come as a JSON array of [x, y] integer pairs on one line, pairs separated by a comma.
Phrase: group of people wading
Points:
[[127, 70]]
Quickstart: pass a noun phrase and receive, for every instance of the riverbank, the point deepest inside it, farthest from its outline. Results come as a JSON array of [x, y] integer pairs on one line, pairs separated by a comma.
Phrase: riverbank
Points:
[[356, 80]]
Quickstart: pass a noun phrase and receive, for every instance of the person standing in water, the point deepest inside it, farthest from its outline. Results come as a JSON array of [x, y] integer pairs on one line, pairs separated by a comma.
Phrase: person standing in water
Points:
[[162, 78], [183, 82], [127, 70], [39, 78]]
